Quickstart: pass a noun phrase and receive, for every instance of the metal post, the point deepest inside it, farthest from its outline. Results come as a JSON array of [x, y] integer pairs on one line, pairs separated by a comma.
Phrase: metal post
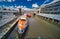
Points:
[[20, 11]]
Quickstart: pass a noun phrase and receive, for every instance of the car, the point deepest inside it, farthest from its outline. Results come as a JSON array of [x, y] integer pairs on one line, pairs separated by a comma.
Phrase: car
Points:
[[22, 25]]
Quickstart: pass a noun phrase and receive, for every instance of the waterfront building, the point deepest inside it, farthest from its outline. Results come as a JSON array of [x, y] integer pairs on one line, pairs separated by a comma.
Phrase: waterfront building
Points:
[[4, 13], [53, 8]]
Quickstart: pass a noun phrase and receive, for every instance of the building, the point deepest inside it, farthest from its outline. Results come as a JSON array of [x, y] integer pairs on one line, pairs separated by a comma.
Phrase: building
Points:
[[53, 8], [7, 13], [0, 15]]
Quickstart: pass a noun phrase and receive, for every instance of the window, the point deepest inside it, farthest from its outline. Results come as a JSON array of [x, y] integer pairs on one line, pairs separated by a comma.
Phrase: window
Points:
[[56, 9]]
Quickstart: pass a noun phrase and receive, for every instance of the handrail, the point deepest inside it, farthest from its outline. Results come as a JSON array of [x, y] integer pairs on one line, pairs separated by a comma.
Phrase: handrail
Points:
[[7, 33], [52, 16]]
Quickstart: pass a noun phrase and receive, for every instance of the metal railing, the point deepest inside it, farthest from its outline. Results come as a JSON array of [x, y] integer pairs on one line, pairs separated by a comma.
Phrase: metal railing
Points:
[[7, 29], [52, 16]]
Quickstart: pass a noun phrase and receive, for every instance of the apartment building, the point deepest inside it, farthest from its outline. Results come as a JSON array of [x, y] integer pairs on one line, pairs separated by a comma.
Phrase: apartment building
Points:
[[53, 8]]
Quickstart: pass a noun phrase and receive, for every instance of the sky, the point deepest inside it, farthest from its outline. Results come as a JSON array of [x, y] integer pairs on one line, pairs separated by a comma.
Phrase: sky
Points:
[[24, 3]]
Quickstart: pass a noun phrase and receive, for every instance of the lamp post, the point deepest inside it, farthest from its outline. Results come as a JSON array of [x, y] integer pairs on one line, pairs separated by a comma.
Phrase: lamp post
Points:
[[20, 13]]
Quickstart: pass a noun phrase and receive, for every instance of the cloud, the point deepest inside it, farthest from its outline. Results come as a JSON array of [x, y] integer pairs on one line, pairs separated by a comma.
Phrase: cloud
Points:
[[20, 6], [11, 7], [24, 8], [7, 0], [35, 5], [10, 0]]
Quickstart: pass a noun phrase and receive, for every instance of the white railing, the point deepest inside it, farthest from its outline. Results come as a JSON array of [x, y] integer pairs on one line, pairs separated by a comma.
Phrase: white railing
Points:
[[5, 20], [52, 16]]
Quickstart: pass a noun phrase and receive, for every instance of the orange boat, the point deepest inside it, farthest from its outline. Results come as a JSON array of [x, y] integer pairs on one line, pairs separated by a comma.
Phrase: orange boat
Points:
[[22, 24]]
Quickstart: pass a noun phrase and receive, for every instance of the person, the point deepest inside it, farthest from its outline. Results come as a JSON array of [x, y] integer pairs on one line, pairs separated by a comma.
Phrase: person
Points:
[[34, 14]]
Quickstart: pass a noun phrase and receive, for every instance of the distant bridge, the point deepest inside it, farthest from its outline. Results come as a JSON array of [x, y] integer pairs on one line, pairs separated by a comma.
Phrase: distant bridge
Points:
[[8, 11]]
